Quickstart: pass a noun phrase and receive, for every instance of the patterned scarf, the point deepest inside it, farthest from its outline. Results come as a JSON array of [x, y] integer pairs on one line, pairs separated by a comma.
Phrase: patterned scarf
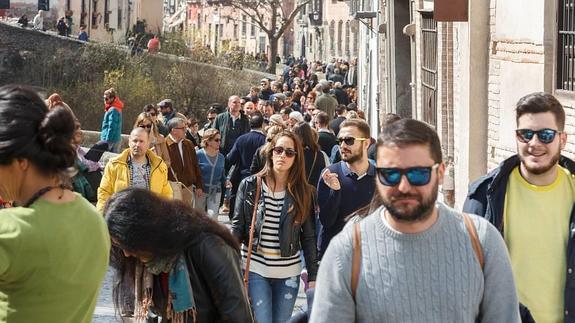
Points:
[[181, 302]]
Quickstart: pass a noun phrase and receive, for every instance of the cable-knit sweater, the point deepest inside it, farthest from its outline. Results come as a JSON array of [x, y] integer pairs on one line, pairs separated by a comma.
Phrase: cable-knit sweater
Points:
[[431, 276]]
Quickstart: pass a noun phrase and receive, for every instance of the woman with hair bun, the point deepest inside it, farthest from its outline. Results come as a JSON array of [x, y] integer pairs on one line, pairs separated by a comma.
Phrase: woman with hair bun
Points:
[[54, 245]]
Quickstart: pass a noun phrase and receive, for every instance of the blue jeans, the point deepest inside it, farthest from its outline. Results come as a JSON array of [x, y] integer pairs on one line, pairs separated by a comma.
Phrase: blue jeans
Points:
[[272, 299]]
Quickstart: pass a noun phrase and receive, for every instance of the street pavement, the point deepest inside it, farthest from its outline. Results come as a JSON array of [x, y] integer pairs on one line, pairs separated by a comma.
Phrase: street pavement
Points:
[[105, 307]]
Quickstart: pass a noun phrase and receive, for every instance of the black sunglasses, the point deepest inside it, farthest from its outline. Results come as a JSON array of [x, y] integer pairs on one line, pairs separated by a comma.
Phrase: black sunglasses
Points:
[[216, 139], [145, 126], [152, 114], [546, 135], [211, 119], [350, 141], [416, 176], [288, 151]]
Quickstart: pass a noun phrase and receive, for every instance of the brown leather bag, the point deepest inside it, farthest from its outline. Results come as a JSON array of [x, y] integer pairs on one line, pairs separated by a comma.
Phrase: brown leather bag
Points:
[[252, 229], [356, 253]]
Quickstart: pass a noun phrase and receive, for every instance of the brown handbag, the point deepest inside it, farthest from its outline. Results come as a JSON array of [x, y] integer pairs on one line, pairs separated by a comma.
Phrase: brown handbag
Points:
[[252, 229]]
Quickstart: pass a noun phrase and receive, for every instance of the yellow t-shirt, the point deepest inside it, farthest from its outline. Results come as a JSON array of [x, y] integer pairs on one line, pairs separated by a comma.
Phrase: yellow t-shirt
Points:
[[536, 230], [53, 258]]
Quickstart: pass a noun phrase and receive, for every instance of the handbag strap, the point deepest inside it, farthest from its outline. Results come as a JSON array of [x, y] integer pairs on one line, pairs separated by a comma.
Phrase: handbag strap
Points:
[[356, 259], [252, 229], [312, 166]]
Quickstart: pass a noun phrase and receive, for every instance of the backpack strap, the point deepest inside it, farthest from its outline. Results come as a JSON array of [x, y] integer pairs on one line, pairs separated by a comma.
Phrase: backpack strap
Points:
[[356, 259], [474, 239]]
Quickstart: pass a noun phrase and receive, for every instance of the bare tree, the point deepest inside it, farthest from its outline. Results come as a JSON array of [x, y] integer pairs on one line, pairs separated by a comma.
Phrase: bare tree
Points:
[[273, 17]]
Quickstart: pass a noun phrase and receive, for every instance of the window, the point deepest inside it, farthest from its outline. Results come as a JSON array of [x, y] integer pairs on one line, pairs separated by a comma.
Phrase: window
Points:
[[339, 38], [221, 31], [354, 31], [210, 30], [347, 39], [106, 12], [429, 68], [253, 31], [120, 7], [566, 46], [244, 26], [199, 21], [236, 30], [332, 38]]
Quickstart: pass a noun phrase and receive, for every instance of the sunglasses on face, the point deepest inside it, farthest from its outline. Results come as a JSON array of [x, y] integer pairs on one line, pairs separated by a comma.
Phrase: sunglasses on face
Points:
[[546, 135], [416, 176], [350, 141], [211, 119], [288, 151], [152, 114], [216, 139], [149, 126]]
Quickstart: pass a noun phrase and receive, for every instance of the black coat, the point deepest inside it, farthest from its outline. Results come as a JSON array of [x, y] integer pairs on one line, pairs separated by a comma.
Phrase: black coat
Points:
[[217, 283]]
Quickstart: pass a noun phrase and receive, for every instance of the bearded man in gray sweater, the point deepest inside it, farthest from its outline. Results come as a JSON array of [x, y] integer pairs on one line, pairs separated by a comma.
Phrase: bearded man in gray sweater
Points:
[[417, 257]]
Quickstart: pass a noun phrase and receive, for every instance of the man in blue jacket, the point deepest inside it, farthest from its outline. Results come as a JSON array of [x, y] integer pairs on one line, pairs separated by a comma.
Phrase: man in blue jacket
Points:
[[348, 185], [530, 199], [243, 152]]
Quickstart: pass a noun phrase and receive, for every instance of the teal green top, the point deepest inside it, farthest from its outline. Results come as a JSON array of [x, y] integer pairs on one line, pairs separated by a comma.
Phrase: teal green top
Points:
[[53, 258]]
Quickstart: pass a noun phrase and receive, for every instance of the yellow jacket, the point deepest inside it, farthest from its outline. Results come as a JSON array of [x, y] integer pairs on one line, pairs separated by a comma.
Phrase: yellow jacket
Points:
[[117, 177]]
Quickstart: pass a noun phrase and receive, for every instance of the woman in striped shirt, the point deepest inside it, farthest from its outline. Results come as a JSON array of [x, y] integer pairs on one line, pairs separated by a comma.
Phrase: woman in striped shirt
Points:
[[285, 224]]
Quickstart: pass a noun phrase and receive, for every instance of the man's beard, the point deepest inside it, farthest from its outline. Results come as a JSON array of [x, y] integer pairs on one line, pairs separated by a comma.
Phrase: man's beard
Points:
[[353, 157], [543, 168], [420, 213]]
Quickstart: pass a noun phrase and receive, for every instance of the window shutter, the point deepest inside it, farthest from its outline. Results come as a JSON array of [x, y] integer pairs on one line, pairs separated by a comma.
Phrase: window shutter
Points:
[[113, 9]]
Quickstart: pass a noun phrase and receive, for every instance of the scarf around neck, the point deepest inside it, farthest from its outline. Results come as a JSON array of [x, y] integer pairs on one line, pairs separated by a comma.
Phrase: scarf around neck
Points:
[[181, 302]]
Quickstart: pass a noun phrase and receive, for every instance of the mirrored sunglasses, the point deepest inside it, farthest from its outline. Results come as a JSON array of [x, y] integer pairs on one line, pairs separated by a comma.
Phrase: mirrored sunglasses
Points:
[[546, 135], [416, 176]]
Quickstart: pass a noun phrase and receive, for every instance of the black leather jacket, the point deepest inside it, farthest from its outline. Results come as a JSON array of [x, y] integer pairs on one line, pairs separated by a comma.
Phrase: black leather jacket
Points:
[[293, 236], [217, 283]]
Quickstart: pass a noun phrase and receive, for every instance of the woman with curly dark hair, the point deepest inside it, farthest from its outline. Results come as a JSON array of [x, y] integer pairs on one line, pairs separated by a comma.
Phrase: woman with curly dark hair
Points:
[[189, 268], [282, 224]]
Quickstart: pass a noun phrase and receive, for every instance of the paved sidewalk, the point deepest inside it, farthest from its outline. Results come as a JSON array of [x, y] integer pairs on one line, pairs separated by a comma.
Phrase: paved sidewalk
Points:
[[105, 306]]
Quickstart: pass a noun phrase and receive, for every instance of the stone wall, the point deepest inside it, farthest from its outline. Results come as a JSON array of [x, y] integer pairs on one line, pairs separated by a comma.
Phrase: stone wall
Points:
[[33, 57]]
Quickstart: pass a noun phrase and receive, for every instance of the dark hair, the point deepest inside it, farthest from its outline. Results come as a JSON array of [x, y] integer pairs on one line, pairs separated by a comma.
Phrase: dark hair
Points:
[[139, 220], [540, 102], [322, 118], [29, 131], [389, 118], [352, 107], [407, 132], [149, 107], [341, 109], [286, 110], [212, 110], [256, 120], [360, 124], [306, 135]]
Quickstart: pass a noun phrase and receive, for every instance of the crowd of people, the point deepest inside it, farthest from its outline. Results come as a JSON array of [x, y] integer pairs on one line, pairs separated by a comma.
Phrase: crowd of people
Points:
[[312, 199]]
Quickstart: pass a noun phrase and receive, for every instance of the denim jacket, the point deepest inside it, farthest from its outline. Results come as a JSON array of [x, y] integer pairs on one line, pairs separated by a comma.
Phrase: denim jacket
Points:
[[293, 236]]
